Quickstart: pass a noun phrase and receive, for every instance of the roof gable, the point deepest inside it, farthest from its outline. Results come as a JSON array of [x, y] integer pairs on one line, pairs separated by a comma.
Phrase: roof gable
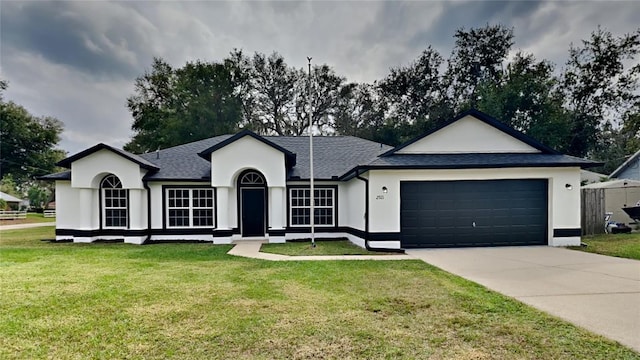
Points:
[[633, 159], [127, 155], [472, 132], [290, 157], [9, 198]]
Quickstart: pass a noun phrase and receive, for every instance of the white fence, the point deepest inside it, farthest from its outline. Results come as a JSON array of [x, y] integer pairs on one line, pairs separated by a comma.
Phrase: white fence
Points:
[[49, 213], [12, 215]]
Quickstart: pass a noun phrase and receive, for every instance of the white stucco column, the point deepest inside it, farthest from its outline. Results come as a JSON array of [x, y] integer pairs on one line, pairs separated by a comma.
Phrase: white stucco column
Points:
[[137, 205], [222, 207], [276, 208], [87, 208]]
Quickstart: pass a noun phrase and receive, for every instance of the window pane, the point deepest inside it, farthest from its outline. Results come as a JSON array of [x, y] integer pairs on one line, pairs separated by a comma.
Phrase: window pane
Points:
[[179, 217], [300, 204], [115, 204], [203, 217], [190, 207]]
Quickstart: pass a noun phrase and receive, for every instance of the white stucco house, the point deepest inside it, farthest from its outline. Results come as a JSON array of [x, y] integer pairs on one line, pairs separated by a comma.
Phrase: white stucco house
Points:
[[471, 182]]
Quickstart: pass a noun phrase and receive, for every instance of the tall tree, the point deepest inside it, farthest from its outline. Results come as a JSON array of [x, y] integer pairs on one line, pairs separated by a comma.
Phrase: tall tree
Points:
[[273, 87], [176, 106], [240, 67], [359, 111], [275, 95], [477, 56], [429, 91], [326, 86], [527, 98], [600, 85], [151, 107], [205, 104], [415, 94], [28, 145]]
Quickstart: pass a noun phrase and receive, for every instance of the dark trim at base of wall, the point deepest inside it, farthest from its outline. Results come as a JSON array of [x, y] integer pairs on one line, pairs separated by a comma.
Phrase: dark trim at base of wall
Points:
[[281, 232], [384, 236], [224, 233], [349, 230], [184, 231], [567, 232], [98, 232]]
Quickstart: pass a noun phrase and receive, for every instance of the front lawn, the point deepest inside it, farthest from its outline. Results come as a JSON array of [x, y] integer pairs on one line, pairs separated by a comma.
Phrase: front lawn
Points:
[[192, 301], [619, 245], [323, 247], [31, 218]]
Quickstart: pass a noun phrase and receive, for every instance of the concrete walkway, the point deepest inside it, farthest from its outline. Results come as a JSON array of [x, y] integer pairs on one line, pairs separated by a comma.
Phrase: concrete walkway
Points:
[[251, 249], [599, 293], [26, 226]]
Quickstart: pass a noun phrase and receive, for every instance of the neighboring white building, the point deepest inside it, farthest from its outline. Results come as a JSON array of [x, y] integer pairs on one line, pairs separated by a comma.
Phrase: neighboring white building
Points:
[[471, 182], [590, 177], [10, 200], [618, 194]]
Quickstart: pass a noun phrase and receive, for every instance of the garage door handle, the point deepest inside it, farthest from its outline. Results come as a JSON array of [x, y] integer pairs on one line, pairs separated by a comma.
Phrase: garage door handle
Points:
[[474, 224]]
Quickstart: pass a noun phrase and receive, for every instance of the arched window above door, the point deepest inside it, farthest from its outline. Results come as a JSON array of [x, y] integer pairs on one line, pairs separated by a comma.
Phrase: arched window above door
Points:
[[252, 178], [111, 182]]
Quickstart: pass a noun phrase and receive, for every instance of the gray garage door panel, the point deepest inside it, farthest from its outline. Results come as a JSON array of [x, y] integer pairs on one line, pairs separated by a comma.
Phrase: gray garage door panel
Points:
[[443, 213]]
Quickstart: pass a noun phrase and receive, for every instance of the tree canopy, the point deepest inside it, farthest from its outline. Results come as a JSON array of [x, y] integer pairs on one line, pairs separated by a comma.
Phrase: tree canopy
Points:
[[177, 106], [28, 145], [587, 108]]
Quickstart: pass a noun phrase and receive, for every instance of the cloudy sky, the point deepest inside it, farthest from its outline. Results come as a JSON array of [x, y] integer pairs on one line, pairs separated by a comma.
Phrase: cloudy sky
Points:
[[77, 61]]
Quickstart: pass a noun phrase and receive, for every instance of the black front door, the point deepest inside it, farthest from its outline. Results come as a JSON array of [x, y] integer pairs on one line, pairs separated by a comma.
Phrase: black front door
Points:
[[252, 212]]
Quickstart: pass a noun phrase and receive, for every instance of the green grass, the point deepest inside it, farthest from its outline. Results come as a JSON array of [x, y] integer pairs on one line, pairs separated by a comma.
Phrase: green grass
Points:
[[192, 301], [31, 218], [619, 245], [39, 218], [323, 247]]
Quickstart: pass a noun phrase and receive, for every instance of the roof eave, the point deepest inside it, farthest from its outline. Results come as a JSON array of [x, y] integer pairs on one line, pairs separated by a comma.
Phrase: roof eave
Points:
[[351, 173], [487, 119], [50, 177], [624, 165], [290, 157], [66, 163]]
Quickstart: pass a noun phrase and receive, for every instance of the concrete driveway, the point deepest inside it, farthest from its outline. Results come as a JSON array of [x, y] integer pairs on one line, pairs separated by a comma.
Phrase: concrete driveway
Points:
[[599, 293]]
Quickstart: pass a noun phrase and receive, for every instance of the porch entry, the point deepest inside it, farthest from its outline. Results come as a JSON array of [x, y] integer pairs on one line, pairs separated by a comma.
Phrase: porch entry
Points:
[[253, 203]]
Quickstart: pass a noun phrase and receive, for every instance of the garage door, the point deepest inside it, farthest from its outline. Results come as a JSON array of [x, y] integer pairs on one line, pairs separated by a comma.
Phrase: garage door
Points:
[[473, 213]]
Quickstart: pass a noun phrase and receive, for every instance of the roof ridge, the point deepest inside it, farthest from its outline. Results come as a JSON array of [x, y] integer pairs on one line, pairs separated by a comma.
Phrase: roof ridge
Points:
[[185, 144]]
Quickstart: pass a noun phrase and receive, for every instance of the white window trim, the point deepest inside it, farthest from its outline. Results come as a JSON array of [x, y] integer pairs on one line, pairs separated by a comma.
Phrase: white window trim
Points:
[[333, 207], [191, 208], [104, 208]]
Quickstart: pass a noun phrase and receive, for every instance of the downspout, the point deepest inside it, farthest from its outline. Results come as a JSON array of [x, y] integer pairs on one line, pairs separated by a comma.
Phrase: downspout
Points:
[[146, 186], [366, 209]]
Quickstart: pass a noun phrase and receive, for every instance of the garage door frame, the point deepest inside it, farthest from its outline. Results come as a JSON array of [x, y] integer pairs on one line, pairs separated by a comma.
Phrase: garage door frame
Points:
[[493, 233]]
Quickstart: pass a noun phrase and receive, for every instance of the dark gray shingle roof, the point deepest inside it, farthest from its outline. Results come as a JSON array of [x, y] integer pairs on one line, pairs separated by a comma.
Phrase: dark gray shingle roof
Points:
[[182, 162], [333, 156], [480, 160], [471, 161], [63, 175]]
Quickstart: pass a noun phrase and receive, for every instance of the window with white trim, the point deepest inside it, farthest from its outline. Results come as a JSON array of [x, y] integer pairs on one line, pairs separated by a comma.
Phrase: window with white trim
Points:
[[114, 203], [189, 208], [300, 206]]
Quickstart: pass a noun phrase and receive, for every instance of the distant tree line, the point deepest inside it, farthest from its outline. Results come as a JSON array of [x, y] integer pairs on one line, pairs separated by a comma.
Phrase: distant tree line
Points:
[[590, 108], [28, 149]]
